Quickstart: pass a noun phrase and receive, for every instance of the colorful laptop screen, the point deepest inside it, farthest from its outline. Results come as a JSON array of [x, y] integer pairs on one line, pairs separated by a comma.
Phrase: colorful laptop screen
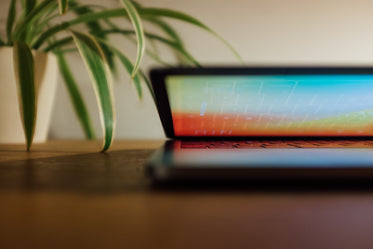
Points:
[[271, 105]]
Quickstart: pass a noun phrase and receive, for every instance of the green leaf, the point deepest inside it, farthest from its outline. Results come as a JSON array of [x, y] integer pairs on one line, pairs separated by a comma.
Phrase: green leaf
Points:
[[25, 77], [148, 84], [99, 73], [170, 32], [76, 97], [185, 18], [126, 33], [157, 59], [146, 12], [49, 33], [167, 29], [165, 41], [42, 22], [28, 6], [129, 68], [65, 51], [137, 25], [63, 6], [58, 44], [153, 47], [176, 47], [153, 55], [49, 17], [10, 20], [85, 18], [92, 26], [157, 12], [85, 9], [136, 4], [36, 12], [94, 16]]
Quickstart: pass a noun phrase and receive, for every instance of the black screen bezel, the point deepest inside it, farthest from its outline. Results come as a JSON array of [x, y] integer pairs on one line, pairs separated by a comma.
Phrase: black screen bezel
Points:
[[158, 76]]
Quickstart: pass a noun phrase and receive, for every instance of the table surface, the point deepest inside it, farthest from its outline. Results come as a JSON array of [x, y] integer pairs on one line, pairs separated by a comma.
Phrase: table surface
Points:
[[65, 194]]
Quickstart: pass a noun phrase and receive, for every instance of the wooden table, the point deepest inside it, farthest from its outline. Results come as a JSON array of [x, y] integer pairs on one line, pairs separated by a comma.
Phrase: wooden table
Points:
[[64, 194]]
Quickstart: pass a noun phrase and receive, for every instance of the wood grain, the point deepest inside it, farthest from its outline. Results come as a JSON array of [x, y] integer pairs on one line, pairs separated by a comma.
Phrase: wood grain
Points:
[[65, 194]]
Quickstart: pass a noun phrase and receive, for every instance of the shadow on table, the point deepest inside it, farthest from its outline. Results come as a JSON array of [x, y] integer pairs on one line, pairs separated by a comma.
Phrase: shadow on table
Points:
[[123, 171], [92, 172]]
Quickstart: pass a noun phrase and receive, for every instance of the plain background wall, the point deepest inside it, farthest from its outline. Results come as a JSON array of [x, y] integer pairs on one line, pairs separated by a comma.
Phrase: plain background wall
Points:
[[265, 32]]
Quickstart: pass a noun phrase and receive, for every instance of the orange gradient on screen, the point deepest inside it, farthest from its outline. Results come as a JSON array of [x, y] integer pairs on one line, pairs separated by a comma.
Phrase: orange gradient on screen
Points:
[[190, 124]]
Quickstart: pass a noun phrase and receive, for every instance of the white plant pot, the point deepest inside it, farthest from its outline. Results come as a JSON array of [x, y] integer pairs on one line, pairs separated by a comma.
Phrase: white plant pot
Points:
[[11, 130]]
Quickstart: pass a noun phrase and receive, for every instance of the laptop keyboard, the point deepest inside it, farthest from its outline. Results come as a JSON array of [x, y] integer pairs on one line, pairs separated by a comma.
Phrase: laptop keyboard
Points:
[[322, 143]]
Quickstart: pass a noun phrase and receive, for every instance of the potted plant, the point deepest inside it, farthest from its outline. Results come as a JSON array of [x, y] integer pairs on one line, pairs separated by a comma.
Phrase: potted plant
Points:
[[39, 37]]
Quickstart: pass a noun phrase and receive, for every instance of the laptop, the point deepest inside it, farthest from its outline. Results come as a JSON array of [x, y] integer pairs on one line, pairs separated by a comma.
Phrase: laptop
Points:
[[264, 123]]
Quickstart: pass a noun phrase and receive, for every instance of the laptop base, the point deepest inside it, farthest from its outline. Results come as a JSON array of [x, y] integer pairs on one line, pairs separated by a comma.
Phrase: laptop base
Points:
[[178, 160]]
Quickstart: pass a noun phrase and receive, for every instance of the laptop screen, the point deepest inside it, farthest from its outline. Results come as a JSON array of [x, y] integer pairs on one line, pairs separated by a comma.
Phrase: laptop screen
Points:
[[271, 105]]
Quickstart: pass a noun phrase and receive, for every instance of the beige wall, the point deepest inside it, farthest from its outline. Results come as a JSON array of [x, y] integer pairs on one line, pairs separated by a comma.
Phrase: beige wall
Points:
[[265, 32]]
